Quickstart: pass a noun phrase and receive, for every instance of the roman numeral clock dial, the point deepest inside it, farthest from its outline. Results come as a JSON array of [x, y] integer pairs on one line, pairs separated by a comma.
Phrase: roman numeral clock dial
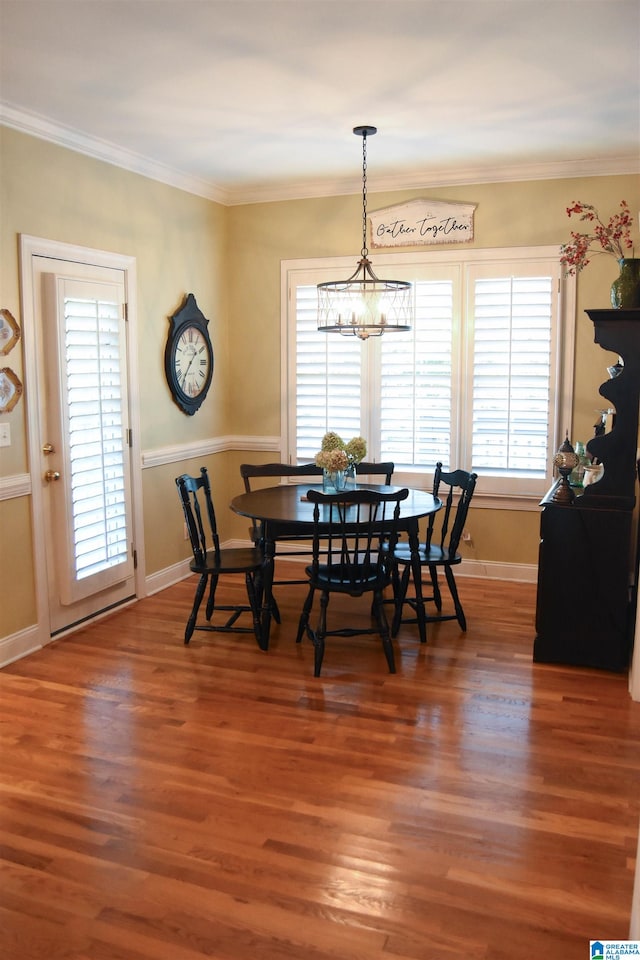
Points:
[[189, 357]]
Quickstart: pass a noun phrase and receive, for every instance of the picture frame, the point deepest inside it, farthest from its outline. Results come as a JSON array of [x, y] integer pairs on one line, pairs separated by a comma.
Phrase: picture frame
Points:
[[10, 389], [9, 332]]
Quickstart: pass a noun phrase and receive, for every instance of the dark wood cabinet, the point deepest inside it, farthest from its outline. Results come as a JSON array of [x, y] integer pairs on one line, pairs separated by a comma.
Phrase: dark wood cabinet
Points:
[[585, 613]]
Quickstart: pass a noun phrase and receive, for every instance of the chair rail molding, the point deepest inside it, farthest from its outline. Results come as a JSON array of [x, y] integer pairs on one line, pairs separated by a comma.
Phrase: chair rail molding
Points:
[[175, 453], [18, 485]]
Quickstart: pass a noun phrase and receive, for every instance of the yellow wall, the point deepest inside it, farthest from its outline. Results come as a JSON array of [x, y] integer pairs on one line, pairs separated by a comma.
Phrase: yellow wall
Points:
[[230, 259]]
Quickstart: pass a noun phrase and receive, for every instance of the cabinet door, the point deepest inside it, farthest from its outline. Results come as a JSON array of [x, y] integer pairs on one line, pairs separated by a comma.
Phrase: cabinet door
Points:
[[583, 607]]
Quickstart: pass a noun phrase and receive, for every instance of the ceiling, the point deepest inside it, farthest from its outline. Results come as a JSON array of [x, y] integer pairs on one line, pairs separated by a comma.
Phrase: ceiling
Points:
[[243, 100]]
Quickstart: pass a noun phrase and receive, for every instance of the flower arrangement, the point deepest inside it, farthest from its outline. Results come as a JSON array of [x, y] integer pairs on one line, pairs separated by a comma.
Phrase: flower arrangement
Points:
[[613, 238], [336, 455]]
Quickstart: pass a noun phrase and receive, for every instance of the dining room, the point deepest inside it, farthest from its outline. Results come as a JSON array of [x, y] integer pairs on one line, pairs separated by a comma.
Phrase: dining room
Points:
[[530, 769]]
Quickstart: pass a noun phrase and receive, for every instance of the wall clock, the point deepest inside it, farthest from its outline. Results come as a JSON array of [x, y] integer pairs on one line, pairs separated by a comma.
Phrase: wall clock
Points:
[[9, 332], [10, 389], [188, 356]]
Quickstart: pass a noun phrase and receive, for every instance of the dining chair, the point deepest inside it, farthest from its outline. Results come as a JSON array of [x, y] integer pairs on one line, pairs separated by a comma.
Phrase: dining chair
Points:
[[211, 561], [367, 468], [348, 529], [439, 550], [253, 471]]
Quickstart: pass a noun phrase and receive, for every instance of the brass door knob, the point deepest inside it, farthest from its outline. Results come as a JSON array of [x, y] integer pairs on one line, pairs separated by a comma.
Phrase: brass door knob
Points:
[[51, 475], [47, 449]]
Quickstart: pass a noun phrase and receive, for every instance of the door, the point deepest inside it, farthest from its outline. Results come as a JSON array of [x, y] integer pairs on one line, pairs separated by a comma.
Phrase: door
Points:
[[85, 436]]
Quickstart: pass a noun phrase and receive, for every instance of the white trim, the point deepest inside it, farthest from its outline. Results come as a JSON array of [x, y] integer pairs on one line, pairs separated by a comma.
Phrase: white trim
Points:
[[175, 453], [45, 129], [162, 579], [18, 485], [29, 248], [18, 645], [476, 569], [71, 139]]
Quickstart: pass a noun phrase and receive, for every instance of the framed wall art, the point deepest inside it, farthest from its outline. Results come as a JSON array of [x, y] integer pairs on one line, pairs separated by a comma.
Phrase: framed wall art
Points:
[[9, 332], [10, 389]]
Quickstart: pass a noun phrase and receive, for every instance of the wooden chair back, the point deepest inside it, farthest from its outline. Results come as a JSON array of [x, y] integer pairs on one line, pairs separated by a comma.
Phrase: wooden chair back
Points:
[[197, 504], [249, 471], [349, 528], [455, 489]]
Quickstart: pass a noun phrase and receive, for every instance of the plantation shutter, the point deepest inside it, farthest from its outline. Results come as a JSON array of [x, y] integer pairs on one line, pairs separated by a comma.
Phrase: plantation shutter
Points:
[[416, 369], [477, 383], [512, 322], [93, 405], [328, 380]]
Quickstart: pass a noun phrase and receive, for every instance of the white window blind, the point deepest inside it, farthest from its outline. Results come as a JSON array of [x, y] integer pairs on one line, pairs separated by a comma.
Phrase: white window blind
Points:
[[328, 380], [476, 383], [95, 434], [416, 381], [512, 351]]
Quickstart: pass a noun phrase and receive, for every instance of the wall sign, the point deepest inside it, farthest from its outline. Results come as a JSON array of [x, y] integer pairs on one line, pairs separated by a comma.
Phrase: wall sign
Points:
[[421, 222]]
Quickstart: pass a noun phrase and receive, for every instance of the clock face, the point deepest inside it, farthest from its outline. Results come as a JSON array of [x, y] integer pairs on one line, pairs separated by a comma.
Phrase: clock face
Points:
[[192, 362]]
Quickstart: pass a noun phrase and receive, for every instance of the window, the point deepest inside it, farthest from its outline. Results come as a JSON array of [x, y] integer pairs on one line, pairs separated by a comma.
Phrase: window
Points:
[[476, 383]]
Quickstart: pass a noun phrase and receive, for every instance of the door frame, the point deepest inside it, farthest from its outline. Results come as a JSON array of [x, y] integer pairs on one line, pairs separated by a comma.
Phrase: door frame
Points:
[[29, 248]]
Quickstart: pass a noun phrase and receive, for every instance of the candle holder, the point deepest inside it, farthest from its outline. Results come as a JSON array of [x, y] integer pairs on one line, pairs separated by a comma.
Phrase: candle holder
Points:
[[566, 460]]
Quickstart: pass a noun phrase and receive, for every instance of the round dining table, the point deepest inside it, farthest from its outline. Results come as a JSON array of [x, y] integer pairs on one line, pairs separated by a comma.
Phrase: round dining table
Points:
[[285, 511]]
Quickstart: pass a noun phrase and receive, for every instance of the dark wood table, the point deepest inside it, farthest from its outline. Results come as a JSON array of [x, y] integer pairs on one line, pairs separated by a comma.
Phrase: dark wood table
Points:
[[284, 511]]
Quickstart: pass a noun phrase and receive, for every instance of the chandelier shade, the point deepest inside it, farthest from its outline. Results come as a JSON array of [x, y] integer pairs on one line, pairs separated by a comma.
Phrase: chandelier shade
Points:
[[364, 305]]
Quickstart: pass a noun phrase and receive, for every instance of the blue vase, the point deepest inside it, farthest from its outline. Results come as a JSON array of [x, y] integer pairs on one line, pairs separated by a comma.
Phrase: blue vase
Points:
[[333, 481]]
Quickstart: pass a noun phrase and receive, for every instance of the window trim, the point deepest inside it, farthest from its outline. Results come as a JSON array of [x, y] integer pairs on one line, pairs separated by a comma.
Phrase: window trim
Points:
[[300, 271]]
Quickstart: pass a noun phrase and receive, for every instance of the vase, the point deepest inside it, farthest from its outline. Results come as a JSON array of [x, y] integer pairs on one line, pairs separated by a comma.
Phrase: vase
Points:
[[350, 475], [333, 481], [625, 289]]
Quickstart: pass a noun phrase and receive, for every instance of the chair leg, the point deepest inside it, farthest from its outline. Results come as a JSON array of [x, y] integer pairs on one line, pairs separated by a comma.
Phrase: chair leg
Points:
[[400, 593], [275, 610], [456, 600], [303, 623], [252, 594], [437, 596], [211, 602], [383, 627], [191, 622], [319, 635]]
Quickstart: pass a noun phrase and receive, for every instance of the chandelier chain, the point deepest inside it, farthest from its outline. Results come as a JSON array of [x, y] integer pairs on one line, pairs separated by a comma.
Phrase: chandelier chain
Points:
[[365, 252]]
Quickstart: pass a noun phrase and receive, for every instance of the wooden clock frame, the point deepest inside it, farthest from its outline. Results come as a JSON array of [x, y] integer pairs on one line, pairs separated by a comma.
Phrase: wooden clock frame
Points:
[[188, 316]]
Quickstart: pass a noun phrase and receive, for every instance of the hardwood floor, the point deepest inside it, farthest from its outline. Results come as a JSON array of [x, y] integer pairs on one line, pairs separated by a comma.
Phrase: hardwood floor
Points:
[[163, 802]]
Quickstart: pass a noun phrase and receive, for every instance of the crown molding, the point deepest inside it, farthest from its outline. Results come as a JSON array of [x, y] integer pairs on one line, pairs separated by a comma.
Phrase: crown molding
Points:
[[425, 179], [305, 189], [44, 129]]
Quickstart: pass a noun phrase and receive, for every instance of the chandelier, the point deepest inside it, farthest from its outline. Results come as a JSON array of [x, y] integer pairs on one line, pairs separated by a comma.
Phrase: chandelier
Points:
[[363, 305]]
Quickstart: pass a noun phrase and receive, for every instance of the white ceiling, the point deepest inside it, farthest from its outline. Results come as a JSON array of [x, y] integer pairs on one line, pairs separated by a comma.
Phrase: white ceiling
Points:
[[244, 100]]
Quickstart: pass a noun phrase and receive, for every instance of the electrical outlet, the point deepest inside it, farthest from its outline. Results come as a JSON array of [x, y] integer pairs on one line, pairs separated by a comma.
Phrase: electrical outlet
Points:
[[5, 434], [466, 537], [186, 531]]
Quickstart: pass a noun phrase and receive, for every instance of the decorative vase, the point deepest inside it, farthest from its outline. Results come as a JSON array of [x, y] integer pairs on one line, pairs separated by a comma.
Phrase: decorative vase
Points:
[[350, 475], [333, 481], [625, 289]]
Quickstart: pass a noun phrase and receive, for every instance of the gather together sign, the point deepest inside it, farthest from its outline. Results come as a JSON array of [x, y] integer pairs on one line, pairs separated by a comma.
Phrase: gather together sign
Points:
[[422, 221]]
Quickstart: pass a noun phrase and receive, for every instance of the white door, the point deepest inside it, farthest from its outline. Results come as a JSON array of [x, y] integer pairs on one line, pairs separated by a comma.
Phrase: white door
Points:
[[84, 438]]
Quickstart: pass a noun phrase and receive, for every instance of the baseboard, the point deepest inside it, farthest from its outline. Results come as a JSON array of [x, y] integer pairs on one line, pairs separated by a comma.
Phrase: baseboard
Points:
[[166, 578], [481, 569], [493, 570], [18, 645]]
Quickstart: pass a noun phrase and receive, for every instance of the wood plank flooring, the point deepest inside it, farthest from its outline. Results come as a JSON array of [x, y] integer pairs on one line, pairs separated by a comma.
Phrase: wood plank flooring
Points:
[[163, 802]]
